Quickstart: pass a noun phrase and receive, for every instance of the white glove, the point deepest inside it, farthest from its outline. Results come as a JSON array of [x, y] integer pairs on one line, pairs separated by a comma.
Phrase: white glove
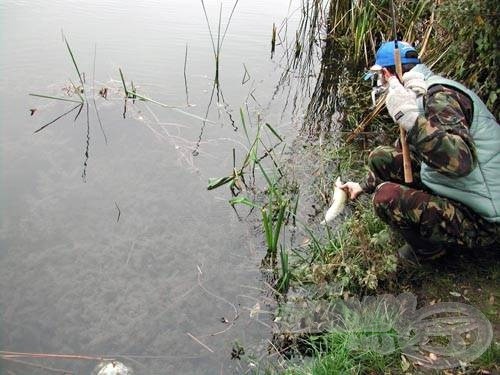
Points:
[[415, 81], [401, 104]]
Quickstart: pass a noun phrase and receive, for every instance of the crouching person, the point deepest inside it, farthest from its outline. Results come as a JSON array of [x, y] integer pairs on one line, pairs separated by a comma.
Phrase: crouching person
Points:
[[454, 142]]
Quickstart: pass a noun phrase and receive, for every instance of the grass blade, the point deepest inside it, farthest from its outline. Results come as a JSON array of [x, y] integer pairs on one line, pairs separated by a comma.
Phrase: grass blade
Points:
[[55, 98], [59, 117], [74, 61], [244, 125], [123, 82], [214, 183], [274, 132], [279, 224], [228, 22], [95, 104], [242, 200], [268, 180], [209, 28], [267, 230]]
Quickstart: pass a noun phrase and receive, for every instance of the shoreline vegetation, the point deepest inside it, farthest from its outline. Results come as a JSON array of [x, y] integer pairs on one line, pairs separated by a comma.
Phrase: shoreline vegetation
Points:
[[355, 257]]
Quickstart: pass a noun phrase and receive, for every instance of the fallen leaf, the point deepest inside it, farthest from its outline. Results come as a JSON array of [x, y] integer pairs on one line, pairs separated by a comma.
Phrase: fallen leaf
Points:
[[491, 300], [455, 294]]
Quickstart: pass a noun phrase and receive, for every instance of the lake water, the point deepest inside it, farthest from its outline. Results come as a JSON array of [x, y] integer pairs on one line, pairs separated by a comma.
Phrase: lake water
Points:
[[136, 257]]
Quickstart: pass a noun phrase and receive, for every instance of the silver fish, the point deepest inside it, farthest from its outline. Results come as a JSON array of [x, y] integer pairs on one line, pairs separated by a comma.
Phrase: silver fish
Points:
[[338, 205]]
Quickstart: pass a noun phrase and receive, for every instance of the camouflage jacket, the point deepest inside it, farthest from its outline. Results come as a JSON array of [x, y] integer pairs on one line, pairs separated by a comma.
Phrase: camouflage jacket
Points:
[[441, 138]]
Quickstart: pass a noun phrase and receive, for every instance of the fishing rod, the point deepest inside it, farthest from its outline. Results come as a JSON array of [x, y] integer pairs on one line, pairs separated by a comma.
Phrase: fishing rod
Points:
[[399, 72]]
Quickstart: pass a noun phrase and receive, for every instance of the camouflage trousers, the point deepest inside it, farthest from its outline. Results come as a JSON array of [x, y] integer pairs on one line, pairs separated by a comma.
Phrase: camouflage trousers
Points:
[[412, 207]]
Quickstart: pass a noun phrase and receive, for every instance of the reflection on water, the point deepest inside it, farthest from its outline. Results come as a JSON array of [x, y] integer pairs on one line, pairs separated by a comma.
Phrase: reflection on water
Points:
[[138, 258]]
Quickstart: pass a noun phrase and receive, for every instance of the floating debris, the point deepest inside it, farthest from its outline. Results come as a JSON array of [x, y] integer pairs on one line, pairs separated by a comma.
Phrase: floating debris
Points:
[[104, 92], [112, 368]]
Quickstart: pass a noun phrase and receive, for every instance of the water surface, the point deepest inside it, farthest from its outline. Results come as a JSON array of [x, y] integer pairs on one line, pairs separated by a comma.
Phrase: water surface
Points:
[[111, 263]]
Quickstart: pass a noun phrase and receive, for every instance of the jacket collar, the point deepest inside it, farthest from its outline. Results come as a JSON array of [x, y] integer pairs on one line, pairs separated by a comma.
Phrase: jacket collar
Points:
[[422, 68]]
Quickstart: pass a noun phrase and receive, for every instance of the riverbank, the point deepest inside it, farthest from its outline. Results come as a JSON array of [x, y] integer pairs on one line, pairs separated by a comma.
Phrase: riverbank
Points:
[[355, 259], [333, 284], [324, 273]]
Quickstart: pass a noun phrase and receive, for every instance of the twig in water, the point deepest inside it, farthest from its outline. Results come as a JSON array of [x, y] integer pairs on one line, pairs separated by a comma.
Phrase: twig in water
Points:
[[185, 77], [199, 342], [9, 354], [119, 212], [46, 368], [278, 352], [246, 75], [130, 253], [236, 314], [273, 40]]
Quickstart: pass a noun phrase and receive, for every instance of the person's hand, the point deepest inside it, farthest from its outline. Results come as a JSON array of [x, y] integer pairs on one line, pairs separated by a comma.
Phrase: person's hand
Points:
[[415, 81], [401, 104], [353, 189]]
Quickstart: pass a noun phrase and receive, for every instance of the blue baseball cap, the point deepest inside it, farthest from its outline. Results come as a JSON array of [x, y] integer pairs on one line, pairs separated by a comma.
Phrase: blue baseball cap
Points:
[[385, 55]]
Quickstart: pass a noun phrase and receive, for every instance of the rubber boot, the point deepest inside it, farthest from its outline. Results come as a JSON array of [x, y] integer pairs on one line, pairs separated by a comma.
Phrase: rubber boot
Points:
[[418, 249]]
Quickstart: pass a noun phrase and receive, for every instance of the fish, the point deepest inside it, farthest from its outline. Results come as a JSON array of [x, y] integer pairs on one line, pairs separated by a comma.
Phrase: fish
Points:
[[338, 205]]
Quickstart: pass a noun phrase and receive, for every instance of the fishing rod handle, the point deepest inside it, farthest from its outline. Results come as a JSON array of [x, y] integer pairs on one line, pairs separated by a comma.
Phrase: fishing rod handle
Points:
[[406, 156]]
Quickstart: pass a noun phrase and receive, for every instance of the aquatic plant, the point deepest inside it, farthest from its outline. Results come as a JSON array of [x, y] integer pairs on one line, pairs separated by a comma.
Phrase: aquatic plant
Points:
[[77, 90], [83, 102]]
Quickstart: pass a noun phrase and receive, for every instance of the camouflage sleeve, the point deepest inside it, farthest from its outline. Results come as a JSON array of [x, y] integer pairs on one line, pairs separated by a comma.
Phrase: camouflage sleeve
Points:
[[441, 138], [369, 183]]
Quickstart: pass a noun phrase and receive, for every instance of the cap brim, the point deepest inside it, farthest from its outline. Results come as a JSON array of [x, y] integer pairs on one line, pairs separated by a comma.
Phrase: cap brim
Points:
[[372, 71]]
